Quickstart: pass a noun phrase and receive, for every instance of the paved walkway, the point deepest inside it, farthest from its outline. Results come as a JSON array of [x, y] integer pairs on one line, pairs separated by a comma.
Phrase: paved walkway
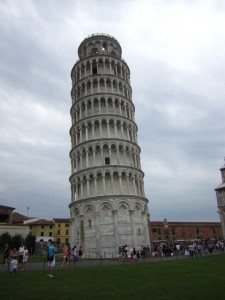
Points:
[[95, 263], [81, 264]]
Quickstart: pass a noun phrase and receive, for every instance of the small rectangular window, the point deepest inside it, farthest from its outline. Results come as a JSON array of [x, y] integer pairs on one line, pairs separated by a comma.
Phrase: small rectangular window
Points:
[[107, 160]]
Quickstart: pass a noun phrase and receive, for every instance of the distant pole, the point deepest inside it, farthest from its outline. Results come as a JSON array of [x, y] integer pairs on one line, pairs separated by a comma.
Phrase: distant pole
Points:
[[27, 210]]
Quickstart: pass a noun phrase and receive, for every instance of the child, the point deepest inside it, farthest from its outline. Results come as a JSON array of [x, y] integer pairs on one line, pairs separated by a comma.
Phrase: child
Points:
[[13, 266]]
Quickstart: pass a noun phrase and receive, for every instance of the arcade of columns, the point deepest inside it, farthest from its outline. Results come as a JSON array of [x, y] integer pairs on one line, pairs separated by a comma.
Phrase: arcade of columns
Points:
[[108, 205]]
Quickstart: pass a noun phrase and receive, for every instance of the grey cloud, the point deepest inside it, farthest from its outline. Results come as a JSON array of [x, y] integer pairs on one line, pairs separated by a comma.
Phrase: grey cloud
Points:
[[177, 90]]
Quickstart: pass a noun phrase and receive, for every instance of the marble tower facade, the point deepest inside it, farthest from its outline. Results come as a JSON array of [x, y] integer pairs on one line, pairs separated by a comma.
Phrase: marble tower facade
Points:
[[108, 204]]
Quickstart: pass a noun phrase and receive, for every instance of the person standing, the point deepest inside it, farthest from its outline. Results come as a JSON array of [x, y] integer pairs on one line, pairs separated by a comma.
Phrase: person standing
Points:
[[6, 254], [80, 252], [20, 257], [25, 258], [64, 256], [13, 266], [51, 259]]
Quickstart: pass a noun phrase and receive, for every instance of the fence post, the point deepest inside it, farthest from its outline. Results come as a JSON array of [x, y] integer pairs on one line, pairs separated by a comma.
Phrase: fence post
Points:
[[100, 260], [44, 263], [74, 261]]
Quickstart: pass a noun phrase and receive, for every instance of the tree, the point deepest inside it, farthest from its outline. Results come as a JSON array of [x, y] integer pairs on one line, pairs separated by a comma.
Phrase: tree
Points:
[[30, 242], [17, 241], [5, 239]]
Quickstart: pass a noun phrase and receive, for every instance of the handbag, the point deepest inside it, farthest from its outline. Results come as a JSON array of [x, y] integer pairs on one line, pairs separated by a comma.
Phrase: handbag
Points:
[[50, 257]]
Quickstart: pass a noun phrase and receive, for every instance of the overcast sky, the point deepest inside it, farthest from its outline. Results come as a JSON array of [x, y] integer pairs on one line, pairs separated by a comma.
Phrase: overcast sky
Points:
[[175, 51]]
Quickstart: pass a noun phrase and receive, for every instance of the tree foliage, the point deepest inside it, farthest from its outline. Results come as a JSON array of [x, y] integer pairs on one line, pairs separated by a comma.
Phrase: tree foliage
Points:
[[30, 242], [6, 240], [17, 241]]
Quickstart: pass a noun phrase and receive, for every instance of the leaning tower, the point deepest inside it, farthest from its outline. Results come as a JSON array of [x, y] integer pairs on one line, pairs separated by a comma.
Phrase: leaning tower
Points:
[[220, 195], [108, 205]]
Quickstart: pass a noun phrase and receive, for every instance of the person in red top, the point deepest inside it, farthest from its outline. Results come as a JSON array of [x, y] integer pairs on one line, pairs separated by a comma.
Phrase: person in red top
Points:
[[14, 254], [65, 256]]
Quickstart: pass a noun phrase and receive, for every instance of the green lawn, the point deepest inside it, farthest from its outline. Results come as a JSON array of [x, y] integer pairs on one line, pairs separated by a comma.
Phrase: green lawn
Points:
[[201, 278]]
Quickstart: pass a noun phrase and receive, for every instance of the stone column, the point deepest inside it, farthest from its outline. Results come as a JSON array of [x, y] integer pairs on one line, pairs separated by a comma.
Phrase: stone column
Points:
[[124, 155], [99, 105], [92, 107], [134, 185], [135, 160], [87, 161], [72, 193], [76, 194], [72, 233], [100, 126], [85, 70], [145, 225], [81, 134], [139, 188], [80, 111], [86, 132], [102, 156], [120, 181], [122, 133], [120, 109], [115, 128], [88, 187], [97, 234], [117, 154], [103, 181], [81, 189], [128, 184], [133, 231], [94, 156], [86, 112], [98, 86], [116, 230], [111, 175], [114, 108], [93, 130], [96, 189], [108, 132]]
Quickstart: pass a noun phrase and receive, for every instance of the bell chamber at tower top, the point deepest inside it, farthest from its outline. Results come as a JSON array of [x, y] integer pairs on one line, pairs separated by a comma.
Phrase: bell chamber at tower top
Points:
[[99, 44]]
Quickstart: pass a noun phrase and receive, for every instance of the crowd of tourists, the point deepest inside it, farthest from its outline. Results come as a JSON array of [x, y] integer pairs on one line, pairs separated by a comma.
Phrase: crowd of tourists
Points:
[[188, 248], [139, 254], [15, 259], [71, 254], [168, 248]]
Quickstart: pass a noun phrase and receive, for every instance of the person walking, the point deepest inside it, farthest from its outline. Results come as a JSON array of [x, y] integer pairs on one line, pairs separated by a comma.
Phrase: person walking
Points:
[[51, 259], [64, 256]]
